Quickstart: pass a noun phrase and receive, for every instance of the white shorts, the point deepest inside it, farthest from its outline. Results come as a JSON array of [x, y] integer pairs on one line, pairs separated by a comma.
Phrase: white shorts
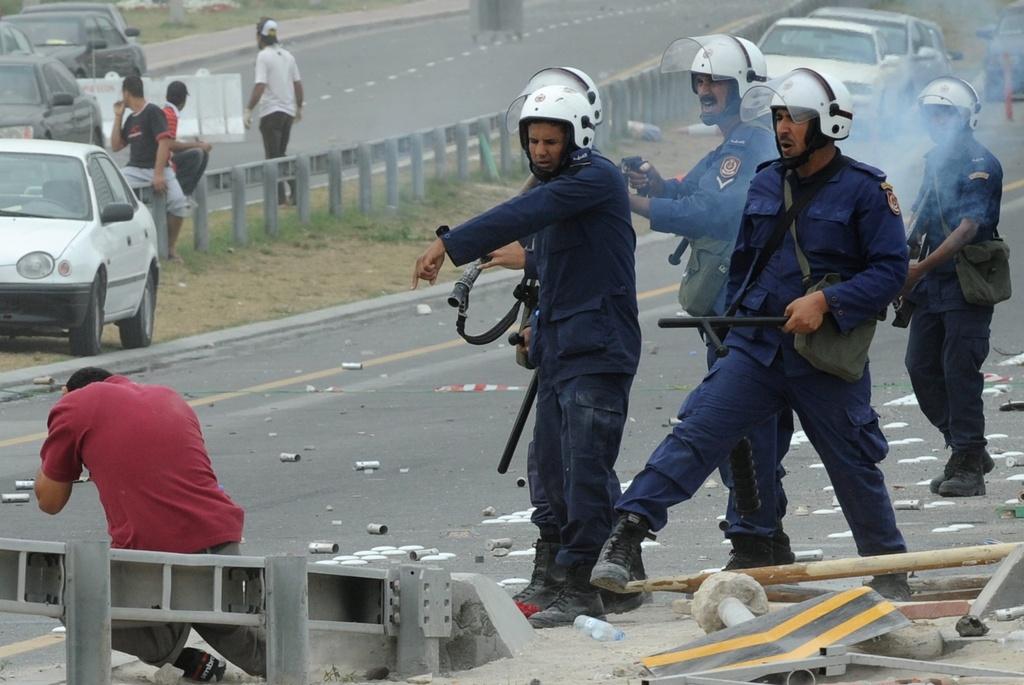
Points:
[[138, 177]]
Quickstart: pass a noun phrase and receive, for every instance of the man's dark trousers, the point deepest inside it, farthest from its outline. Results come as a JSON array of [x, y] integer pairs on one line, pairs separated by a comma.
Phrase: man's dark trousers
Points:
[[589, 413], [276, 128]]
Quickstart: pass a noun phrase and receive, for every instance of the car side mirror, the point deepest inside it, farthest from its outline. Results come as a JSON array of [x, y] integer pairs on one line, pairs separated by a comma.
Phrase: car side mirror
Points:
[[890, 60], [925, 51], [116, 213], [986, 32], [97, 45], [132, 32], [62, 100], [955, 55]]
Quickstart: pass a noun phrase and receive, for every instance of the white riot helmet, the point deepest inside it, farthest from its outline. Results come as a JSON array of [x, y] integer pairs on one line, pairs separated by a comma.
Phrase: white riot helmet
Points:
[[561, 104], [948, 91], [806, 94], [570, 77], [723, 58]]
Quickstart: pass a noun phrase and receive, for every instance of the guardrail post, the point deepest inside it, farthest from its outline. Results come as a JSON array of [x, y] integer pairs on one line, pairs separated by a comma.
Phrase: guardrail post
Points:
[[635, 100], [200, 218], [618, 100], [647, 92], [505, 143], [287, 606], [419, 190], [440, 155], [239, 221], [302, 187], [365, 178], [270, 176], [483, 134], [87, 612], [334, 174], [462, 150], [158, 207], [391, 171], [424, 618]]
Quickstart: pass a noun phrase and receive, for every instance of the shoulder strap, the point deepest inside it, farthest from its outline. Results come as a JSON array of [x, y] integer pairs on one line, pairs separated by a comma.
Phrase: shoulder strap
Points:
[[801, 258], [788, 218], [938, 203]]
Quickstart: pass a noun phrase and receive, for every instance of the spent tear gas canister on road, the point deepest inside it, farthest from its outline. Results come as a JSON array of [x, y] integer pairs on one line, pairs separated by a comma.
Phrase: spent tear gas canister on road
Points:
[[14, 498], [377, 528], [323, 548]]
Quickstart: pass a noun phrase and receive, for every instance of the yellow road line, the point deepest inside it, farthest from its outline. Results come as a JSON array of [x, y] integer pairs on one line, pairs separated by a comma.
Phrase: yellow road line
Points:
[[319, 375], [1016, 185], [41, 642]]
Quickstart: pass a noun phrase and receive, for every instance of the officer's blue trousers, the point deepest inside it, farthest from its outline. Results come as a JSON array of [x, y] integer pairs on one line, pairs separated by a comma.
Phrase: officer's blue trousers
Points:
[[577, 473], [769, 443], [944, 356], [545, 428], [738, 394]]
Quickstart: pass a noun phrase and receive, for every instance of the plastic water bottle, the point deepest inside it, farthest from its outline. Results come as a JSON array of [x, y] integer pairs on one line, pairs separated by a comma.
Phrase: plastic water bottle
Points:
[[602, 631]]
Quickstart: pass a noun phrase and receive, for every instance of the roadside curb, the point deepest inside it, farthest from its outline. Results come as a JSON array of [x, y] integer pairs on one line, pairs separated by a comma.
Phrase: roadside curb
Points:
[[197, 60]]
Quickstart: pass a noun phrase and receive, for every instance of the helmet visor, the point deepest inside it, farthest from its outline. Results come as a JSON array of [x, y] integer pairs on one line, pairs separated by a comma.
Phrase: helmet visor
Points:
[[695, 55], [552, 76], [800, 92]]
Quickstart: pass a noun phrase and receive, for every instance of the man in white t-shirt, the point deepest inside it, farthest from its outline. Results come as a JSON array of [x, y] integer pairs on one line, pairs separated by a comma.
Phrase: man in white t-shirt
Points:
[[277, 90]]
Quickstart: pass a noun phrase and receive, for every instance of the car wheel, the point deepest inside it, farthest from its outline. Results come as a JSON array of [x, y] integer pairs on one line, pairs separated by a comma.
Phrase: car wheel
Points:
[[138, 330], [85, 339]]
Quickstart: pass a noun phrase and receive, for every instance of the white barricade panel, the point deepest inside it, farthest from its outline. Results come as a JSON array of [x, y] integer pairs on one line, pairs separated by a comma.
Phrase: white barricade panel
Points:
[[213, 111]]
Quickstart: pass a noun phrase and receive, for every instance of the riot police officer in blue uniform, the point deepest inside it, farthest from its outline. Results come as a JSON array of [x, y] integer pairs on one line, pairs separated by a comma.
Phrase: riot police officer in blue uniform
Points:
[[958, 205], [547, 577], [705, 209], [585, 337], [850, 234]]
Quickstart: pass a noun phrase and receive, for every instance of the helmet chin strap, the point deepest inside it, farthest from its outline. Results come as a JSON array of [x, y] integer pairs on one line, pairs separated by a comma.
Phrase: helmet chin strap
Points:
[[548, 175]]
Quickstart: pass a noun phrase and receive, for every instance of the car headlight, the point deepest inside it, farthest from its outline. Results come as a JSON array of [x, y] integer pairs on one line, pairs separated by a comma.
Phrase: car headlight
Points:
[[857, 88], [35, 265]]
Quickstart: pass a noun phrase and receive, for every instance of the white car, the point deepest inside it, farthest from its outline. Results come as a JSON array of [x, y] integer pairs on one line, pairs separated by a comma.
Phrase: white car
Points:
[[853, 53], [77, 249]]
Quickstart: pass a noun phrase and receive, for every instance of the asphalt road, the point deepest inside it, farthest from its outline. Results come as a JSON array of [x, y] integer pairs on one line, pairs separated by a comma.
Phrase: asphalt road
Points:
[[450, 441], [395, 81]]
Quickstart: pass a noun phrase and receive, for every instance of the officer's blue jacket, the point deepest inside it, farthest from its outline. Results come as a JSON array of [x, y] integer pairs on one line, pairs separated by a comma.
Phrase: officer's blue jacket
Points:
[[587, 317], [852, 228], [970, 186], [708, 202]]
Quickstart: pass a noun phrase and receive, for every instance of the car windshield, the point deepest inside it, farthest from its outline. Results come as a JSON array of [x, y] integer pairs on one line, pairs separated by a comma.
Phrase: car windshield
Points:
[[50, 30], [18, 85], [46, 186], [1012, 23], [820, 43]]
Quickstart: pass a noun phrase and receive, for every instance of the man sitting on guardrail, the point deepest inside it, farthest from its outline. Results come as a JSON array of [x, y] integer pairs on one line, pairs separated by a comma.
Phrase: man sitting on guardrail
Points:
[[189, 158], [144, 450], [145, 133]]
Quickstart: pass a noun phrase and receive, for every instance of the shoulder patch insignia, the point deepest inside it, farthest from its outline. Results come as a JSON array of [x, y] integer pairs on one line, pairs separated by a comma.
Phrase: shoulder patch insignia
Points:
[[894, 204], [979, 175], [730, 167]]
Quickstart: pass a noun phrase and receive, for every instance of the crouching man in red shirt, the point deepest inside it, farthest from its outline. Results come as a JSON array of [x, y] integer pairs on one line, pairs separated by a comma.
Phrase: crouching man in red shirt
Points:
[[144, 450]]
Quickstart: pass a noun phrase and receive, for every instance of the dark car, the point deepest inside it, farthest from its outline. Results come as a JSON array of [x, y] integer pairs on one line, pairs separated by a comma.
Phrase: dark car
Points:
[[1005, 42], [87, 43], [13, 41], [108, 9], [39, 98]]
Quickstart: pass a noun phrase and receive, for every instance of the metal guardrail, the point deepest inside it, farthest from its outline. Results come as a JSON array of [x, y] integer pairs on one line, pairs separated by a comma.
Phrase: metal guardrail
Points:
[[648, 96], [87, 586]]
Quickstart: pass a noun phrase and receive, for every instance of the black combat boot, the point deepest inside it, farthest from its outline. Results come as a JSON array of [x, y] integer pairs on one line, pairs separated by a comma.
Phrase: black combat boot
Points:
[[546, 581], [782, 553], [968, 477], [620, 552], [577, 596], [892, 586], [621, 602], [749, 551], [955, 462], [200, 666]]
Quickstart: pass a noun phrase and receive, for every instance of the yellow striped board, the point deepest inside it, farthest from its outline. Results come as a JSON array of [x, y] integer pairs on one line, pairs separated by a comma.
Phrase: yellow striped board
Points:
[[797, 632]]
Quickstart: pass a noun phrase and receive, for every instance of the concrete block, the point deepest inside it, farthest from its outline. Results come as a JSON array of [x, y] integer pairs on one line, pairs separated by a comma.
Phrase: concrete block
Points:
[[487, 624], [929, 610]]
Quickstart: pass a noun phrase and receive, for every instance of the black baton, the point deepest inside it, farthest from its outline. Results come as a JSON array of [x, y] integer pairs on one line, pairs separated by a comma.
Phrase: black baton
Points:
[[517, 428], [708, 324]]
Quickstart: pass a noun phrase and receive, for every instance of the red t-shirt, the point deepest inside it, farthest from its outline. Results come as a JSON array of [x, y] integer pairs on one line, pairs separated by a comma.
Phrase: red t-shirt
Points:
[[171, 113], [144, 450]]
